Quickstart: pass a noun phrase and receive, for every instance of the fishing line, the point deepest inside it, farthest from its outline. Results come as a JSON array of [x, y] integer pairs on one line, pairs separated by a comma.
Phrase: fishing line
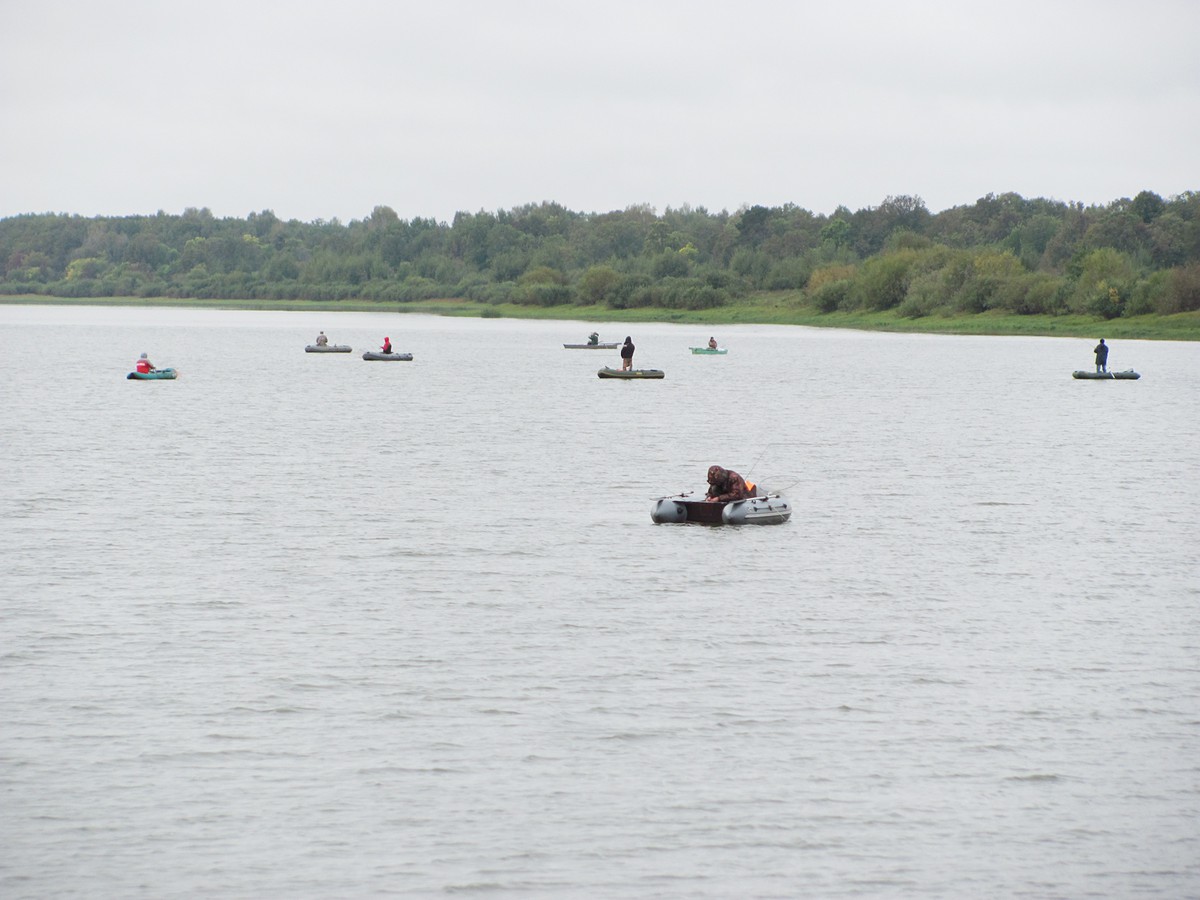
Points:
[[758, 458], [767, 482]]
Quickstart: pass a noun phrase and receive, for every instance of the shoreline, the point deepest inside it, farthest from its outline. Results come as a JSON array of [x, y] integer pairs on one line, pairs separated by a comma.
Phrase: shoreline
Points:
[[758, 310]]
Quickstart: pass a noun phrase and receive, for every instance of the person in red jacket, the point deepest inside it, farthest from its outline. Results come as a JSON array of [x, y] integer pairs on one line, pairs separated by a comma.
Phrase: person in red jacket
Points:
[[387, 345], [144, 365], [726, 484]]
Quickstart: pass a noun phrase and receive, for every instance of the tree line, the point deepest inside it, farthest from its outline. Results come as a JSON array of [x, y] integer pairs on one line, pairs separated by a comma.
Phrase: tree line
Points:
[[1026, 256]]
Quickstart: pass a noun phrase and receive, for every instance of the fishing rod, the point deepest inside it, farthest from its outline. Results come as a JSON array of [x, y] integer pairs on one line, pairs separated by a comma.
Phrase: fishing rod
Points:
[[768, 495], [773, 492]]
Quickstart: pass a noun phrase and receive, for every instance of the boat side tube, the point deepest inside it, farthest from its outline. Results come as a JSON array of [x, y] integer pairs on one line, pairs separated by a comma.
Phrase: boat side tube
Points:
[[772, 509], [668, 511]]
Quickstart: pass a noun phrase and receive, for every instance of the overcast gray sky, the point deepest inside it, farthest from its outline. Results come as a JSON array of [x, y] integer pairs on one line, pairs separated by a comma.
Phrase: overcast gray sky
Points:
[[323, 110]]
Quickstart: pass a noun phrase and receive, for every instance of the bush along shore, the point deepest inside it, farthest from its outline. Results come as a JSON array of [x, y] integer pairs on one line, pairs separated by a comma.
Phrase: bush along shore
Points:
[[1003, 265]]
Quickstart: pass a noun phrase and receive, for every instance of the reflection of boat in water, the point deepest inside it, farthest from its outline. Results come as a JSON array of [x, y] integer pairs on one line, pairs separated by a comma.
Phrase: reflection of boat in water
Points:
[[606, 345], [607, 372], [766, 509], [1127, 375], [402, 357], [709, 351], [327, 348], [153, 375]]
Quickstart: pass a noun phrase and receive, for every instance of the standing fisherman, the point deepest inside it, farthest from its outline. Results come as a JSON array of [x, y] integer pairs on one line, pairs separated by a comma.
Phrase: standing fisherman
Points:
[[627, 354]]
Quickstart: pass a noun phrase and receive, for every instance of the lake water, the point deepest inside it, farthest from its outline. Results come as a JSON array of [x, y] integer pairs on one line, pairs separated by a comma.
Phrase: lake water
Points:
[[300, 625]]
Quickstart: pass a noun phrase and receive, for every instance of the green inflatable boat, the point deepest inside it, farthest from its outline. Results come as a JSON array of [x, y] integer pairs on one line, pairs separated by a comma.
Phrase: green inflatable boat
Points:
[[153, 375], [1127, 375], [607, 372], [395, 357]]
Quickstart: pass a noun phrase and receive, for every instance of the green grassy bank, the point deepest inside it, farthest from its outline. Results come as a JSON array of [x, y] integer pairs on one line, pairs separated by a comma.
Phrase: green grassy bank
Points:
[[761, 309]]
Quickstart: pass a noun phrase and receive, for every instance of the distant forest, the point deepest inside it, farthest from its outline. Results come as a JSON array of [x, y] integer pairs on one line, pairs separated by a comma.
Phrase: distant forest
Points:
[[1005, 252]]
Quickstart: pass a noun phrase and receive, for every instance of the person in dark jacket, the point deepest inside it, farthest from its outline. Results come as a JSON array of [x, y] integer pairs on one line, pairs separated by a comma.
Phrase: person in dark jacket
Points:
[[726, 484], [1101, 352], [627, 354]]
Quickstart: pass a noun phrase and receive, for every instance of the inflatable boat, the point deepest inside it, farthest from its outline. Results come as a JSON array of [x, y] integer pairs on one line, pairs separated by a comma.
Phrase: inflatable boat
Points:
[[769, 509], [403, 357], [606, 372], [153, 375], [604, 345], [327, 348], [709, 351], [1128, 375]]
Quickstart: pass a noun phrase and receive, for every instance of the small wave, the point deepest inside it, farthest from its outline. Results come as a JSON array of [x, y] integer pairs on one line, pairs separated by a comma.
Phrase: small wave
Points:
[[277, 710], [633, 735], [521, 888], [218, 736], [408, 770]]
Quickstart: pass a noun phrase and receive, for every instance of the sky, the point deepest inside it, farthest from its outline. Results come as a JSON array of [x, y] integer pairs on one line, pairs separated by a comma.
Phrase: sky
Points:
[[321, 110]]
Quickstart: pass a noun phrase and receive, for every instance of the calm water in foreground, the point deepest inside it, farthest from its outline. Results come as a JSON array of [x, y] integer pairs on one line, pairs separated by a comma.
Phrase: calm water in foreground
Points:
[[309, 626]]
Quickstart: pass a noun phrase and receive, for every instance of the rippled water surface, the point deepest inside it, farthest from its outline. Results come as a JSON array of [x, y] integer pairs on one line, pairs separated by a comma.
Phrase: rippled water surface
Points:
[[308, 626]]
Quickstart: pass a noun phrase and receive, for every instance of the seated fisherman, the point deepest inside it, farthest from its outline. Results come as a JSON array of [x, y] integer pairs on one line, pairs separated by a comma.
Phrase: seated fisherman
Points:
[[593, 338], [726, 484]]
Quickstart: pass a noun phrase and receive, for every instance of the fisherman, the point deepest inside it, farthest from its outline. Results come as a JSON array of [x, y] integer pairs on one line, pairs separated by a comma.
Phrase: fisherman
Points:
[[726, 484], [1101, 352], [712, 343], [144, 365], [322, 340], [627, 354], [387, 345], [593, 339]]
